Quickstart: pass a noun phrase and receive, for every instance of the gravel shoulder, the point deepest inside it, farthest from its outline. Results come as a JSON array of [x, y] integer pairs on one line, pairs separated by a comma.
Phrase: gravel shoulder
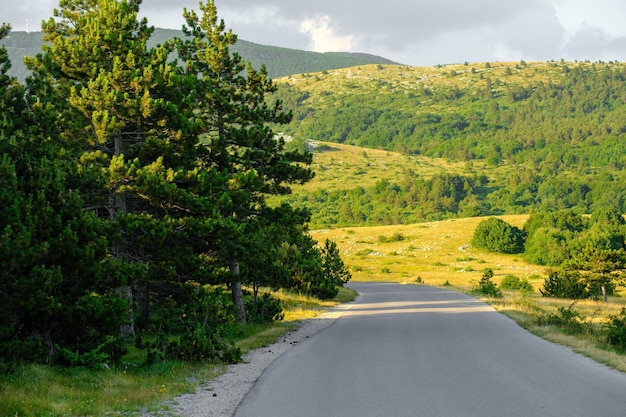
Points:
[[220, 397]]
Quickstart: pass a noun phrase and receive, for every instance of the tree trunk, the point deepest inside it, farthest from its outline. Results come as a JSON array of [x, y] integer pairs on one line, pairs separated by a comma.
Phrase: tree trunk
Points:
[[237, 291], [117, 206], [143, 297], [127, 329], [605, 298]]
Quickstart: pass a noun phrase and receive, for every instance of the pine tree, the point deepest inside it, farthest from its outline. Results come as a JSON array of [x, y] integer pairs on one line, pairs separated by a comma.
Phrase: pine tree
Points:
[[121, 102], [53, 298], [241, 146]]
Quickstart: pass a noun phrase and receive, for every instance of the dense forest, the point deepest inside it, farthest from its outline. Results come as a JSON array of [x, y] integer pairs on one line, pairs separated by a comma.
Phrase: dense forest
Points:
[[133, 195], [278, 61], [558, 127]]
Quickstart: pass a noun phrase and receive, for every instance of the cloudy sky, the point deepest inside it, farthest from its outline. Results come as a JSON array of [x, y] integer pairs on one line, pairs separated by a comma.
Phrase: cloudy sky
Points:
[[412, 32]]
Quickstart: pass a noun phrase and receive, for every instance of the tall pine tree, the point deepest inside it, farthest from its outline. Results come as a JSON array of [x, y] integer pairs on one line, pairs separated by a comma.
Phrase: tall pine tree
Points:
[[121, 102], [231, 98]]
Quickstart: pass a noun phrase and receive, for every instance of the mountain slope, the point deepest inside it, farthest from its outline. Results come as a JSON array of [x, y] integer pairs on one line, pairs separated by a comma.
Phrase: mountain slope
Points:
[[505, 112], [278, 61], [531, 137]]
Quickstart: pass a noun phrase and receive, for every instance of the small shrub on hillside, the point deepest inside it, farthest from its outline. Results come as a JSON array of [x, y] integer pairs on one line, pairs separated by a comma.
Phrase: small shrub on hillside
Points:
[[364, 252], [511, 282], [567, 319], [486, 286], [616, 327], [496, 235], [395, 237]]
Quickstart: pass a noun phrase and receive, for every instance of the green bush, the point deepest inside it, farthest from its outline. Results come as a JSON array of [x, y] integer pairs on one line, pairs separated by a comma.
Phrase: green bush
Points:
[[547, 246], [496, 235], [265, 309], [616, 327], [511, 282], [567, 318], [486, 287], [190, 326], [564, 284]]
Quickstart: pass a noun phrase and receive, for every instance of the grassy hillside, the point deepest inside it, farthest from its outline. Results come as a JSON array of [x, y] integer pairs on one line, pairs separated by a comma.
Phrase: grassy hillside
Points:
[[339, 166], [532, 136], [505, 112], [278, 61], [435, 252]]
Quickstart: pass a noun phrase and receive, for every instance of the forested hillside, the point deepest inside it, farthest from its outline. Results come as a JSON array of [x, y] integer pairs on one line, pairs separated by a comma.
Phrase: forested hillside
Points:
[[278, 61], [555, 134]]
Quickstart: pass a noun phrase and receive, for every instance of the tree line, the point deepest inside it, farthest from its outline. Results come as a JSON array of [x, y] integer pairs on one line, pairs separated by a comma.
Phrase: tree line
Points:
[[133, 193], [415, 199]]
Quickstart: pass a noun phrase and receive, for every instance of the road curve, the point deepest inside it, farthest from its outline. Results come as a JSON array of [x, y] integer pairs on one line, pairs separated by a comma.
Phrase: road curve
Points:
[[403, 350]]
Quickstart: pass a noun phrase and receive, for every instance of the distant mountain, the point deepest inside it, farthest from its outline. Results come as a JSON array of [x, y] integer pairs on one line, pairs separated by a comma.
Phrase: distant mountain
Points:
[[278, 61]]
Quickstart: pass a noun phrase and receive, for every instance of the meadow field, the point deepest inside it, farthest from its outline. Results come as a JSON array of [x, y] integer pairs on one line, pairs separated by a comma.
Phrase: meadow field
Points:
[[434, 253]]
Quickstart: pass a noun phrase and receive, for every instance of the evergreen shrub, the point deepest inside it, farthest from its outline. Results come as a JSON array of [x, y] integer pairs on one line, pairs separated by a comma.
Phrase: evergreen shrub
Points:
[[496, 235], [512, 282], [616, 334], [564, 284], [265, 309]]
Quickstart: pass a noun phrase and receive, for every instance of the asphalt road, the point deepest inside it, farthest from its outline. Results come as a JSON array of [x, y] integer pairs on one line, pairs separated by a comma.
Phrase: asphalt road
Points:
[[403, 350]]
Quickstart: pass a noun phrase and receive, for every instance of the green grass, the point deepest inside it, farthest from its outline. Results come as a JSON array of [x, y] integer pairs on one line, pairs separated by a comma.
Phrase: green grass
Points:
[[342, 167], [37, 390]]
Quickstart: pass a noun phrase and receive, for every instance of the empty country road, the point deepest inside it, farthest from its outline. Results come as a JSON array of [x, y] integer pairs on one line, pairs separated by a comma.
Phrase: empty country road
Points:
[[404, 350]]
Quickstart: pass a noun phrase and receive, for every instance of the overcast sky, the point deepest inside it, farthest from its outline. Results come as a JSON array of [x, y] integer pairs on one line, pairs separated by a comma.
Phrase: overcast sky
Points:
[[412, 32]]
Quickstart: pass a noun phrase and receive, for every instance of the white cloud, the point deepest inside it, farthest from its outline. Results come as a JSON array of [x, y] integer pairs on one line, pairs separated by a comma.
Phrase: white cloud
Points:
[[580, 15], [324, 37], [414, 32]]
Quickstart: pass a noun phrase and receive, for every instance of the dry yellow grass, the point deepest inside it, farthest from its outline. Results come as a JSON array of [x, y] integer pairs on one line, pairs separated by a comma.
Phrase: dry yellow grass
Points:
[[339, 167], [436, 252]]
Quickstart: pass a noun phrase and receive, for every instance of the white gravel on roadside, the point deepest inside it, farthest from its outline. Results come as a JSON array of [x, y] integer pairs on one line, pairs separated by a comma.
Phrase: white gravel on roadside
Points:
[[220, 397]]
